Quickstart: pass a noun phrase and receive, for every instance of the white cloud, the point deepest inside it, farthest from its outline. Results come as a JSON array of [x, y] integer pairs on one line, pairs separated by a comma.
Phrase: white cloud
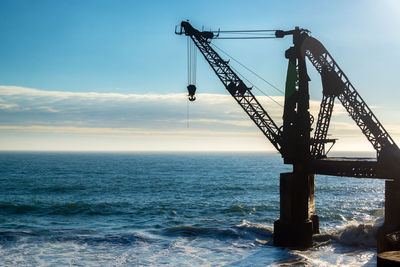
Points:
[[214, 119], [9, 106], [119, 131], [26, 106]]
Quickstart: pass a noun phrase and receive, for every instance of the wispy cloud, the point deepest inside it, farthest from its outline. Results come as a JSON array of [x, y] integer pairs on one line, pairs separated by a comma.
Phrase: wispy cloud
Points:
[[32, 112], [119, 131], [26, 106]]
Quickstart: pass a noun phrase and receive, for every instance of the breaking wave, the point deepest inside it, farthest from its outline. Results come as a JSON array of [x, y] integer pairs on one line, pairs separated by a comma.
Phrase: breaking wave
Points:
[[245, 230], [353, 233]]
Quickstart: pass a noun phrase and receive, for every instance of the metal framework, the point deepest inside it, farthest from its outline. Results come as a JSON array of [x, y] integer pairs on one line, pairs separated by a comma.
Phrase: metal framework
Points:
[[296, 137], [347, 167], [236, 87], [347, 94], [321, 129]]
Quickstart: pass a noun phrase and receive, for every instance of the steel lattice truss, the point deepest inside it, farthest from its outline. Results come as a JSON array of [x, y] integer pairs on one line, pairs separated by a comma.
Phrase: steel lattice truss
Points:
[[348, 96], [335, 85], [240, 92], [321, 130]]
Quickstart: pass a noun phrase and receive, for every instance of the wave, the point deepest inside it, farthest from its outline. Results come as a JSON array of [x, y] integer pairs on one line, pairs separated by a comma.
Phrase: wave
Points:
[[14, 235], [193, 231], [246, 230], [353, 233], [358, 234], [257, 229], [76, 236], [246, 209], [109, 239], [59, 188], [69, 208]]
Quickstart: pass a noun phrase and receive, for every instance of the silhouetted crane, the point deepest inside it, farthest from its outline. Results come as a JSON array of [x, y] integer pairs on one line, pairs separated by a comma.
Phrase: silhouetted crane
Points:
[[293, 140]]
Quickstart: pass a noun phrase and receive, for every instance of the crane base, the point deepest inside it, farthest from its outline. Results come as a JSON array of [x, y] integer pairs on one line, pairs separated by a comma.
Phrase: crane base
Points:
[[298, 221]]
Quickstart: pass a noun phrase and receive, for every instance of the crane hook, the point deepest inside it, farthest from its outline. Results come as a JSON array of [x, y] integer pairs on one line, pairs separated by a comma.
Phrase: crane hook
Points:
[[191, 91]]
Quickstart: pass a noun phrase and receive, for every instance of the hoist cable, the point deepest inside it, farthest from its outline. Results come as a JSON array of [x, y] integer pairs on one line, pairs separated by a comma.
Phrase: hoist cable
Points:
[[191, 61], [194, 64], [254, 73], [188, 60], [261, 91]]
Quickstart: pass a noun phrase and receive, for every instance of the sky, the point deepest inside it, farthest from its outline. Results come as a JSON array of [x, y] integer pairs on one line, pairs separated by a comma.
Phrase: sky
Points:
[[111, 75]]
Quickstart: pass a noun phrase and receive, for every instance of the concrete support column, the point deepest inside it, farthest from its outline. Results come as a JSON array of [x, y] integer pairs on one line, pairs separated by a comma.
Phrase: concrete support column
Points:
[[297, 222], [389, 233]]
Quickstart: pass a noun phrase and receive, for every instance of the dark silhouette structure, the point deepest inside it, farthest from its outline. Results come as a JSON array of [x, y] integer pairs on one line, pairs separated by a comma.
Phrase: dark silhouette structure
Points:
[[308, 155]]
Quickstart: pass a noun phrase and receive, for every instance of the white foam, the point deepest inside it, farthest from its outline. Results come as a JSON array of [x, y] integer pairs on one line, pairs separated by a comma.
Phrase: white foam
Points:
[[358, 234], [332, 255], [352, 244], [259, 229]]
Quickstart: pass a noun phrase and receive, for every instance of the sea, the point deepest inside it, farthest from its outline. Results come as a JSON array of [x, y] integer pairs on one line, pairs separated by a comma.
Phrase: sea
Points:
[[172, 209]]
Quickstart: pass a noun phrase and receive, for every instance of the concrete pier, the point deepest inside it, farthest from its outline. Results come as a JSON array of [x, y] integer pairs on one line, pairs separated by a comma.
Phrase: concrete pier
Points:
[[297, 222], [388, 236]]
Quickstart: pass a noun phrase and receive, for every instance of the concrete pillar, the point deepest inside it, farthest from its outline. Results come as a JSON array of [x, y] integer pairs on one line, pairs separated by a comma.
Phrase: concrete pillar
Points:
[[387, 236], [297, 221]]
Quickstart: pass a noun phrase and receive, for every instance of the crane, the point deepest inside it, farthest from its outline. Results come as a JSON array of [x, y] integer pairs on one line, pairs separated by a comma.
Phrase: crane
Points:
[[293, 139], [235, 86]]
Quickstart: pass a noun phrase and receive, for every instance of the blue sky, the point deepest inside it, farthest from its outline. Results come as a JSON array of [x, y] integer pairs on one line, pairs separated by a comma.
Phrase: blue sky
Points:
[[110, 75]]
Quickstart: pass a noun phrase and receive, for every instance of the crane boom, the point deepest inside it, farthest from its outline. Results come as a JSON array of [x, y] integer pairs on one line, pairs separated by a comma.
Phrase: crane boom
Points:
[[234, 84], [336, 84], [294, 142], [341, 87]]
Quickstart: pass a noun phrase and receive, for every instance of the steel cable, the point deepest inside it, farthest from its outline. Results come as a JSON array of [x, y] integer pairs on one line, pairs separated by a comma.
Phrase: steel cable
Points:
[[254, 73]]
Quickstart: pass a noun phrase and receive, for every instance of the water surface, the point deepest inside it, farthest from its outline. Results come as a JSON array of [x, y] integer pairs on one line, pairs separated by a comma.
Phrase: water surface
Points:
[[193, 209]]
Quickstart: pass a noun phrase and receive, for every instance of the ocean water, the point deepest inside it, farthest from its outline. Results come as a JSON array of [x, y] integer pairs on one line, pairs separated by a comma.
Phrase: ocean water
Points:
[[173, 209]]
